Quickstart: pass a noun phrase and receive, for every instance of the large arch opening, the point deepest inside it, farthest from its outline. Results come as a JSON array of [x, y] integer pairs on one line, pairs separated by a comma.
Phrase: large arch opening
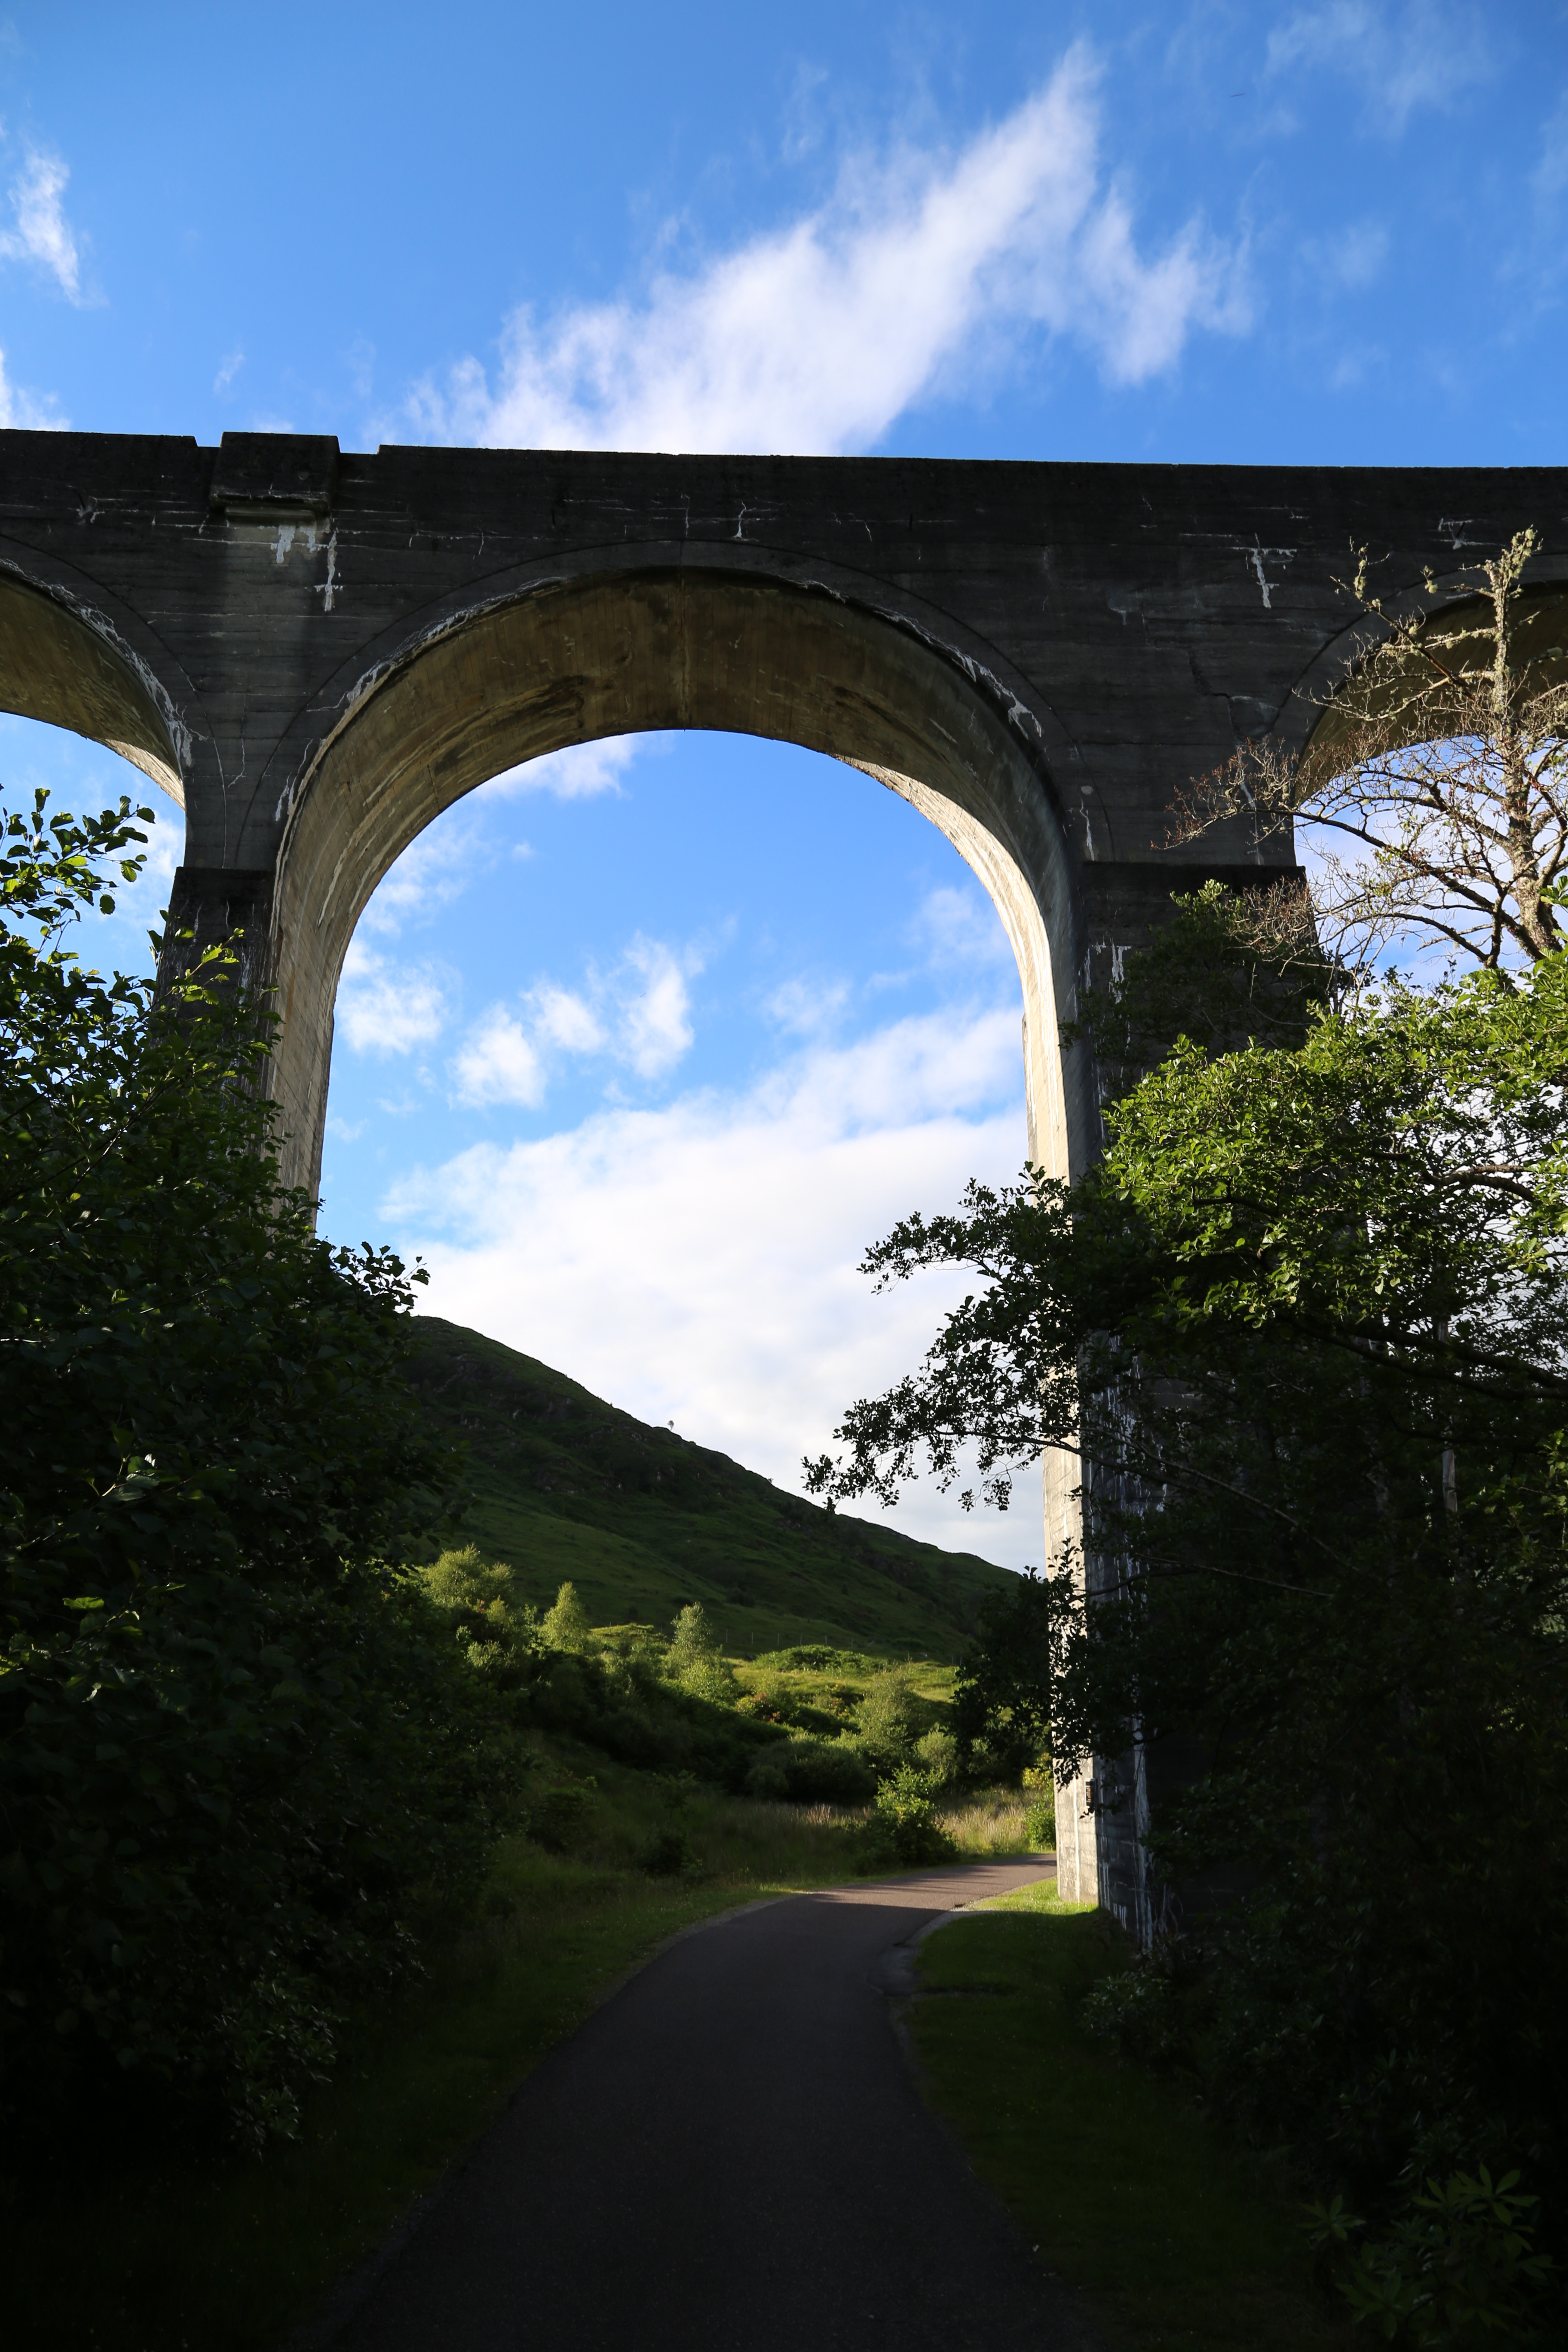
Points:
[[72, 706], [621, 655], [1432, 795], [56, 669]]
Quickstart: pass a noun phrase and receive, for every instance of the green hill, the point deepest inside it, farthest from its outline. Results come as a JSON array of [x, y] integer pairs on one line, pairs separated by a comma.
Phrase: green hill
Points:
[[644, 1521]]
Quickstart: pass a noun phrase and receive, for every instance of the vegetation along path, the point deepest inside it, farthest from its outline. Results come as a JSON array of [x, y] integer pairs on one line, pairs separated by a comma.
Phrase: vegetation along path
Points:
[[732, 2152]]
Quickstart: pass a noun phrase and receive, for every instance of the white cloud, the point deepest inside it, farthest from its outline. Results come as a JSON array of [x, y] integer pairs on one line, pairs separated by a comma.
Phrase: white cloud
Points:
[[385, 1008], [808, 1008], [961, 927], [637, 1015], [498, 1063], [656, 1017], [19, 411], [566, 1020], [577, 773], [699, 1262], [814, 337], [227, 371], [1425, 53], [435, 869], [42, 234]]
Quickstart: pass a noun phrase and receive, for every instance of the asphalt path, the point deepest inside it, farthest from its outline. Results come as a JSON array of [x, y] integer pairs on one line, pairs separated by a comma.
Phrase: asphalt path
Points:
[[731, 2153]]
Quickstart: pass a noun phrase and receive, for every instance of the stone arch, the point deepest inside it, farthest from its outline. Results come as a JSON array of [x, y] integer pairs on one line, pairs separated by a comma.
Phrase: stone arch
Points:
[[631, 652], [1309, 715], [56, 666]]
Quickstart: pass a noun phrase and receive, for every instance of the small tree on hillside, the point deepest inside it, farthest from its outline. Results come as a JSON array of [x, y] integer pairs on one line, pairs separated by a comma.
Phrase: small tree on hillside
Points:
[[1433, 796], [692, 1638], [565, 1626], [891, 1719]]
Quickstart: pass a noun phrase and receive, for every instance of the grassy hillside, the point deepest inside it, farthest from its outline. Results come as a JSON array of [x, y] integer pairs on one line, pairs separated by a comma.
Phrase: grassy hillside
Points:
[[644, 1521]]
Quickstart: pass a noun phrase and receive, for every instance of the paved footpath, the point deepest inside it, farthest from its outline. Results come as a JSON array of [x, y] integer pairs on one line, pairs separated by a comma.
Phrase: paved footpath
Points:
[[731, 2155]]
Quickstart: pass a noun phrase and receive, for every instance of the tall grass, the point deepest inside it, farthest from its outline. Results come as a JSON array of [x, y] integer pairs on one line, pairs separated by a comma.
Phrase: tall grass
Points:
[[992, 1822]]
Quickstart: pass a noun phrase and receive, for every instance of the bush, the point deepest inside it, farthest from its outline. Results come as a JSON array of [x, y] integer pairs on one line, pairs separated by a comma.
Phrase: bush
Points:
[[238, 1764], [565, 1626], [905, 1823], [1040, 1807], [1457, 2267], [939, 1759], [768, 1779], [692, 1639], [670, 1856], [712, 1679], [825, 1772], [558, 1819], [891, 1719]]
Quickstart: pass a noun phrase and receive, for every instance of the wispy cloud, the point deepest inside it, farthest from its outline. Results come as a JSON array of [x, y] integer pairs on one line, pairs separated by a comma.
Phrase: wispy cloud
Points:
[[23, 411], [387, 1008], [637, 1016], [499, 1063], [432, 873], [961, 927], [577, 773], [816, 336], [808, 1008], [1550, 176], [42, 234], [697, 1260], [228, 368], [1425, 53]]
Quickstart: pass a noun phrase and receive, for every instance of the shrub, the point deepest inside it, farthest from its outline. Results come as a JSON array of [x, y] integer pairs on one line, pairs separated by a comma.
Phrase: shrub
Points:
[[768, 1779], [891, 1719], [237, 1763], [1457, 2267], [559, 1817], [939, 1757], [565, 1626], [825, 1772], [692, 1638], [1040, 1807], [712, 1679], [906, 1824], [671, 1855]]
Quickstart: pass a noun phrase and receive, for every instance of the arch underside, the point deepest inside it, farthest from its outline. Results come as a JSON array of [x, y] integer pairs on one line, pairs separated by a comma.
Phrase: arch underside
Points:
[[570, 662], [1462, 633], [54, 667]]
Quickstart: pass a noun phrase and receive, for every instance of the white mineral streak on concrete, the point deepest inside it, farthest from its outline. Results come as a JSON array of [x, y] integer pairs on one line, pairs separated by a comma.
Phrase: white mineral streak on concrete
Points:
[[181, 740], [1254, 555], [328, 588]]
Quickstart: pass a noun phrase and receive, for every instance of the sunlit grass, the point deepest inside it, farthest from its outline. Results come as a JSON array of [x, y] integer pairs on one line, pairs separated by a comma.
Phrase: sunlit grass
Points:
[[1118, 2180]]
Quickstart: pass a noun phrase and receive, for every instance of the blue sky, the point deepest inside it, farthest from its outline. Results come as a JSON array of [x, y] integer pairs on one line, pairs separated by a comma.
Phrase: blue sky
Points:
[[641, 1045]]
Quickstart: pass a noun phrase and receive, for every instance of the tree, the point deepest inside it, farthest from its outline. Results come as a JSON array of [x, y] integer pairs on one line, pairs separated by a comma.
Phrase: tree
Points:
[[566, 1625], [692, 1638], [1306, 1329], [889, 1719], [1434, 790], [232, 1747]]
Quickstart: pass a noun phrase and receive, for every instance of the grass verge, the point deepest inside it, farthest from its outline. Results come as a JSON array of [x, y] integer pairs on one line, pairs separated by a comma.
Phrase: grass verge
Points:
[[1174, 2241], [181, 2248]]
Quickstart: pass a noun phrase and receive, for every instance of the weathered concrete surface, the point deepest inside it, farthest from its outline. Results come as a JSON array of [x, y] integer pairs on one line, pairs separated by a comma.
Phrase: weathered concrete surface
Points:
[[319, 651]]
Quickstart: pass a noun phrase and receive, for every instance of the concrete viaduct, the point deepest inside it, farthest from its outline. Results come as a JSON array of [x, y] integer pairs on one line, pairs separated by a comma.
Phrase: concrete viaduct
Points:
[[317, 653]]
